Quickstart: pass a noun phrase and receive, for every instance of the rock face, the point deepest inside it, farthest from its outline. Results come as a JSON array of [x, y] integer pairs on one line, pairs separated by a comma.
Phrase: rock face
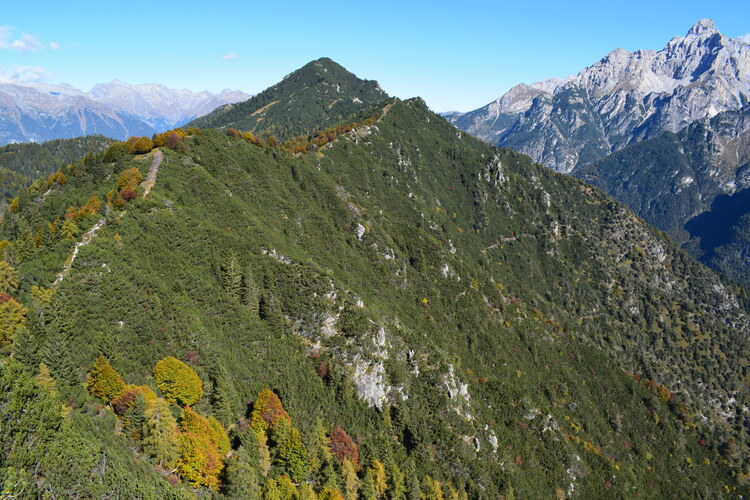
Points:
[[624, 98], [36, 112]]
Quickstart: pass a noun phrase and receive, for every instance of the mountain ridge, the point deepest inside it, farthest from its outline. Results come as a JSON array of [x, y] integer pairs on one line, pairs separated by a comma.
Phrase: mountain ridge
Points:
[[623, 98], [479, 324]]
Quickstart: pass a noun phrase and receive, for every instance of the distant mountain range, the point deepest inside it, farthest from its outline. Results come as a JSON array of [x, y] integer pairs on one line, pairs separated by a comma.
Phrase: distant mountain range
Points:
[[624, 98], [37, 112]]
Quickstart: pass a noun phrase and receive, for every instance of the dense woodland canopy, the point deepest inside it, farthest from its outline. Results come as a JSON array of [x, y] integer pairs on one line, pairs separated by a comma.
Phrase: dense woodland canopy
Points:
[[380, 308]]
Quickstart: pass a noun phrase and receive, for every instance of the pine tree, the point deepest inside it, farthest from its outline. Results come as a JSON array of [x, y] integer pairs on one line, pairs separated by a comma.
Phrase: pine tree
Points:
[[351, 481], [252, 293], [136, 417], [367, 487], [160, 436], [287, 489], [224, 396], [231, 274], [396, 482]]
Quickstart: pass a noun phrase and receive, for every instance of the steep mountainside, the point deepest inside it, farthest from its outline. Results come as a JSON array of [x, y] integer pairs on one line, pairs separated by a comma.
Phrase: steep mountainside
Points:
[[20, 164], [625, 97], [672, 179], [40, 112], [478, 324], [320, 94]]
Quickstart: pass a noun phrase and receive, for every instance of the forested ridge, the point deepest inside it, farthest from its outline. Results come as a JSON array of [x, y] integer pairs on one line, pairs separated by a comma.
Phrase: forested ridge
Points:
[[378, 308]]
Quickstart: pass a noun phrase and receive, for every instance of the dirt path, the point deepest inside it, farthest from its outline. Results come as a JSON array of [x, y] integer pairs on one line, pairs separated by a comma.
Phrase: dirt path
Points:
[[151, 178], [87, 237], [507, 240]]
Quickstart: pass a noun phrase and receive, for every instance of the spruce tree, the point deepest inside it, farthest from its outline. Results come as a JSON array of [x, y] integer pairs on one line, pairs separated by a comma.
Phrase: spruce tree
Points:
[[160, 437], [231, 275]]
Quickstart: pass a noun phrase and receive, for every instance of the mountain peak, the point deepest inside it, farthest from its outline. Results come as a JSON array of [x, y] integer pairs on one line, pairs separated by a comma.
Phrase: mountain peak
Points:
[[703, 27], [319, 94]]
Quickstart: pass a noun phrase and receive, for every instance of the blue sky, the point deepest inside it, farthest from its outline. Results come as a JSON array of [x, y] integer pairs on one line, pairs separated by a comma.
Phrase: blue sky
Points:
[[456, 55]]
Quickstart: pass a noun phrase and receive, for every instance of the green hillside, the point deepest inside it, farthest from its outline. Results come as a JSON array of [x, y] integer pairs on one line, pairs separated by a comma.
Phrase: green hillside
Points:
[[20, 164], [318, 95], [439, 318]]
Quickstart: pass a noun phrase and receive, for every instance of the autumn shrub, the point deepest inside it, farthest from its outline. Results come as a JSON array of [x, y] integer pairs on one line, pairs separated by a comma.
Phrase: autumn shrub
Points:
[[199, 463], [342, 446], [103, 381], [178, 382], [13, 316], [140, 145], [125, 400], [267, 411]]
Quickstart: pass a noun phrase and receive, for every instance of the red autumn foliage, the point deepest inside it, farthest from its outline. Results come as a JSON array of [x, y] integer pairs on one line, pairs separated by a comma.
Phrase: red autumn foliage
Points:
[[322, 369], [4, 297], [125, 401], [129, 194], [342, 446]]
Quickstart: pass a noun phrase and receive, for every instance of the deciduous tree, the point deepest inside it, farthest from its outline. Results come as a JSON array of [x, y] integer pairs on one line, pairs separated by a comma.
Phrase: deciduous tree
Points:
[[178, 382], [103, 381]]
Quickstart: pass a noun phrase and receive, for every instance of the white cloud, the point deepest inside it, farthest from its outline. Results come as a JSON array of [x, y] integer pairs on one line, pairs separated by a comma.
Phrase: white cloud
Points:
[[54, 45], [25, 74], [11, 39], [229, 57], [744, 38]]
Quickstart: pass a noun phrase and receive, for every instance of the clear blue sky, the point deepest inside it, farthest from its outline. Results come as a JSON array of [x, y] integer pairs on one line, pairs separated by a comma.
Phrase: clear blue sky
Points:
[[456, 55]]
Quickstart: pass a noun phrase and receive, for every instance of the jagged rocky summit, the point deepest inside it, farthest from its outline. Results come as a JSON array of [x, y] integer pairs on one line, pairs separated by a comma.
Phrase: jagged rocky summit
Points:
[[624, 98]]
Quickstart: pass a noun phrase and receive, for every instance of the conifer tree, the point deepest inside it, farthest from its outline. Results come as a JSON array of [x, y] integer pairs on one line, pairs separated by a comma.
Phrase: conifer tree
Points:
[[241, 477], [379, 478], [24, 346], [271, 490], [396, 482], [160, 436], [290, 454], [287, 489], [431, 489], [367, 487], [56, 350], [351, 481], [306, 492], [252, 293], [136, 417], [231, 274], [8, 278], [223, 395]]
